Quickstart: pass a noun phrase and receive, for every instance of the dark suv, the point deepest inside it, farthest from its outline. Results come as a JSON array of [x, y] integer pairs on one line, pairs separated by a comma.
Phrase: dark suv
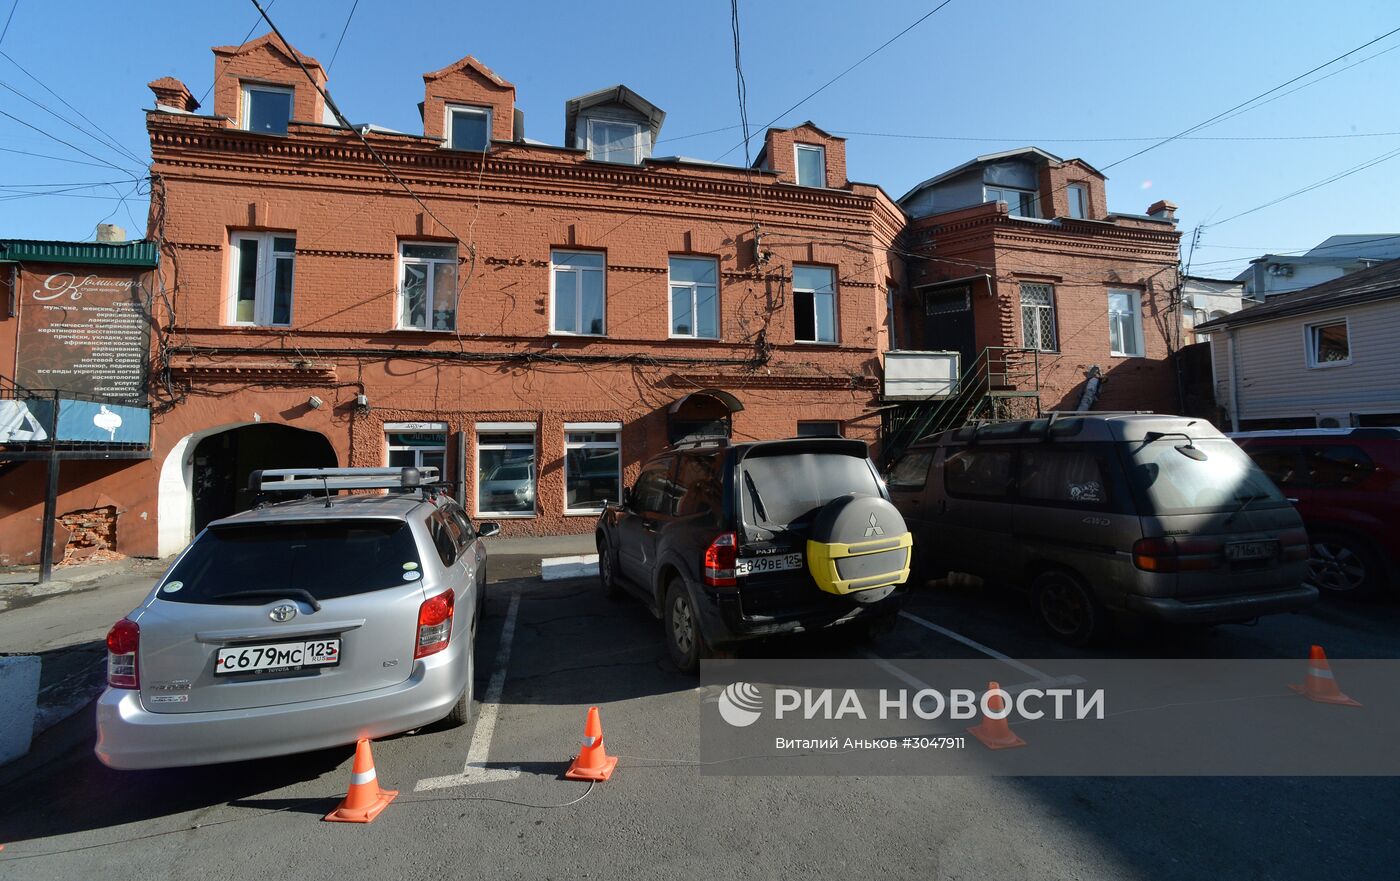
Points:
[[1346, 484], [731, 542]]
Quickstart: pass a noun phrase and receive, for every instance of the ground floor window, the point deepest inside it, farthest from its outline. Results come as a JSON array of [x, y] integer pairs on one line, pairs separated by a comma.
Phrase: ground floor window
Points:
[[818, 428], [505, 469], [417, 445], [592, 466]]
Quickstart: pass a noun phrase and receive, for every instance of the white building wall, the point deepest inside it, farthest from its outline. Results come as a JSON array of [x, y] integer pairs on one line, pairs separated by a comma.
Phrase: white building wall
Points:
[[1275, 382]]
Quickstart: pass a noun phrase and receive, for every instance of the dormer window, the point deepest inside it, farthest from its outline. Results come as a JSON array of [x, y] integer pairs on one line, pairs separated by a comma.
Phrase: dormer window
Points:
[[469, 128], [619, 142], [811, 165], [1078, 201], [267, 109], [1021, 202]]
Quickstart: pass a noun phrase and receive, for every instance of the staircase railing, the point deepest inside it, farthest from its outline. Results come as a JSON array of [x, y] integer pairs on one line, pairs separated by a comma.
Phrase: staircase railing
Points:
[[997, 373]]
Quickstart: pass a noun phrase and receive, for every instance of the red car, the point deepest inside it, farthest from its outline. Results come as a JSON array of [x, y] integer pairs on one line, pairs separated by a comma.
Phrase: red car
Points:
[[1346, 483]]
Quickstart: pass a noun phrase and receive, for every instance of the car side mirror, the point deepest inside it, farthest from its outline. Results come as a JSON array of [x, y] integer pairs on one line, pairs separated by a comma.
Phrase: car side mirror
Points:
[[488, 529]]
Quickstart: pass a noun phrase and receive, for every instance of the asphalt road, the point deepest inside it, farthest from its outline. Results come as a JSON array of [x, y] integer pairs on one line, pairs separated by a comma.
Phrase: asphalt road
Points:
[[62, 815]]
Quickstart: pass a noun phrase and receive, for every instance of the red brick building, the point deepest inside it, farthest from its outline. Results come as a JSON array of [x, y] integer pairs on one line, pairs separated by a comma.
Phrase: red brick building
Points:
[[1019, 250], [552, 315]]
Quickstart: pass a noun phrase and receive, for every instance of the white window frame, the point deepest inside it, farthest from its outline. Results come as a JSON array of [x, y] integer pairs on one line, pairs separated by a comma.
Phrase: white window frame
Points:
[[694, 300], [555, 266], [1083, 192], [835, 307], [432, 286], [245, 101], [264, 287], [1135, 299], [1050, 307], [449, 118], [482, 431], [1035, 199], [636, 141], [797, 163], [416, 428], [1310, 345], [616, 428]]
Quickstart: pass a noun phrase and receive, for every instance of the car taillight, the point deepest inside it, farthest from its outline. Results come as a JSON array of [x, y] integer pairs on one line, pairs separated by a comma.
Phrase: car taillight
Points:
[[720, 559], [1295, 545], [1177, 554], [122, 641], [434, 625]]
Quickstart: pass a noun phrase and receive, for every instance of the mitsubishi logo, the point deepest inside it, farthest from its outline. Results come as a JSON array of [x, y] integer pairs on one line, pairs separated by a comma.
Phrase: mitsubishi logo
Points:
[[874, 527]]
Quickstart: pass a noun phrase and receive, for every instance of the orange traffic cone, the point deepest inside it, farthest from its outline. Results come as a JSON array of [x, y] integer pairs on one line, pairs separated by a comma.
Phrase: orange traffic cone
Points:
[[365, 799], [592, 762], [1319, 685], [995, 733]]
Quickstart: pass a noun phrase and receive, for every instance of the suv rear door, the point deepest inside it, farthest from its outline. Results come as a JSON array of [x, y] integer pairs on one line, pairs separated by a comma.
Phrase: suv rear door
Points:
[[365, 573], [648, 508]]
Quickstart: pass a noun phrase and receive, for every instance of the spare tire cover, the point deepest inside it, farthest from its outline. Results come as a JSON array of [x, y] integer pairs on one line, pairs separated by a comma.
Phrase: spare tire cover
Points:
[[856, 518]]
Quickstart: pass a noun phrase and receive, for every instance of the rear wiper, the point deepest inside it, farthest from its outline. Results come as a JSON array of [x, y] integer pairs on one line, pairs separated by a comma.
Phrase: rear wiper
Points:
[[298, 592], [1244, 503], [757, 500]]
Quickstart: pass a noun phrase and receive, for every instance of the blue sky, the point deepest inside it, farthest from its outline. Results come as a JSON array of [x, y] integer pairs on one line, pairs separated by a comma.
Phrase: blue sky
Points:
[[1070, 78]]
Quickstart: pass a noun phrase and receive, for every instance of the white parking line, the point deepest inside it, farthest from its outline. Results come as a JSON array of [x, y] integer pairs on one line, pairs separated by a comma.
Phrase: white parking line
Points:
[[915, 682], [974, 644], [475, 770]]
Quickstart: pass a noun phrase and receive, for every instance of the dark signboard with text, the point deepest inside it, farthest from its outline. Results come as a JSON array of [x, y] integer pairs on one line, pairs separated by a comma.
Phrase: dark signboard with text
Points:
[[84, 330]]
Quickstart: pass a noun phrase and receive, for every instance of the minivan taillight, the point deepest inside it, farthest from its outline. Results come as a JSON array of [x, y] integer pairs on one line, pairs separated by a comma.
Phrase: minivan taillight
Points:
[[1177, 554], [720, 559], [434, 625], [122, 641]]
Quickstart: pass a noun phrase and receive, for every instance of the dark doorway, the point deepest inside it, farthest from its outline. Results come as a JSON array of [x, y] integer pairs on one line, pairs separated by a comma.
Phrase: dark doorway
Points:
[[702, 415], [948, 323], [224, 461]]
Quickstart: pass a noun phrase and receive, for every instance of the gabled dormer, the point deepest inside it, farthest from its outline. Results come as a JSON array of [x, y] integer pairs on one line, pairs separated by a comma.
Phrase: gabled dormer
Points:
[[260, 87], [466, 106], [804, 155], [613, 124]]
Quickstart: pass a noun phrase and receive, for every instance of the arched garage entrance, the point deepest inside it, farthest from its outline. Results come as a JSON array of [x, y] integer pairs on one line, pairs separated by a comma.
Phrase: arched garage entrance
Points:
[[205, 475]]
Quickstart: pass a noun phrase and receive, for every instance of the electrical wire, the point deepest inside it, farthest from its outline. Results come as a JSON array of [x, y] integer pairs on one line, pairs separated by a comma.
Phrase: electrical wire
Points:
[[54, 158], [67, 144], [111, 142], [9, 18], [871, 54], [1331, 179], [353, 6]]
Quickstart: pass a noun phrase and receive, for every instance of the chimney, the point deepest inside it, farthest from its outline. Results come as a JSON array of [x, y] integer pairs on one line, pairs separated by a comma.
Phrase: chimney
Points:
[[1162, 210], [110, 232], [171, 94]]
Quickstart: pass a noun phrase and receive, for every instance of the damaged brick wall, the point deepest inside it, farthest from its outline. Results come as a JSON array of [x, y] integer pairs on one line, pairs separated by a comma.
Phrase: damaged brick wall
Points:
[[89, 531]]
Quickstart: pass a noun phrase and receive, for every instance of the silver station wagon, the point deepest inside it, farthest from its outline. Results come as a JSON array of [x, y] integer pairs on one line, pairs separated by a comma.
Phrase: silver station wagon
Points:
[[301, 625]]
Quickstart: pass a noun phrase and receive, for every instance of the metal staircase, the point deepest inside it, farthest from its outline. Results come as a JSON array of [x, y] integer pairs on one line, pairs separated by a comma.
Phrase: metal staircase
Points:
[[1003, 383]]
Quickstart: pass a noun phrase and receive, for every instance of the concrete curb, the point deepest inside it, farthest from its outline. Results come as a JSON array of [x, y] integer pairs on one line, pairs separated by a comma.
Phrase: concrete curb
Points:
[[560, 568], [19, 699]]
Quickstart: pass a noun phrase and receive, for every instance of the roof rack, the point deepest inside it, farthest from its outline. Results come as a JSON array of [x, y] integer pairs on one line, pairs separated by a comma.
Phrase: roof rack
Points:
[[269, 480], [701, 442]]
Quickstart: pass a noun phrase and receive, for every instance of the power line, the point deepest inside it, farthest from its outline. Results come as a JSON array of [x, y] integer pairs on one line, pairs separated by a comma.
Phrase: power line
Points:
[[67, 144], [871, 54], [1384, 157], [120, 151], [1217, 117], [342, 34], [54, 158], [8, 19], [114, 142]]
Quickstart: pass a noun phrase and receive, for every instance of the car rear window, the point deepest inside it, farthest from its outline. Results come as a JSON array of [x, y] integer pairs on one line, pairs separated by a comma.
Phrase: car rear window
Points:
[[328, 559], [1168, 481], [779, 491]]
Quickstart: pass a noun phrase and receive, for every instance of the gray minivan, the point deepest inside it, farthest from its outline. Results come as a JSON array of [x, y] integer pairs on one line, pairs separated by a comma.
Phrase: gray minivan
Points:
[[1161, 516]]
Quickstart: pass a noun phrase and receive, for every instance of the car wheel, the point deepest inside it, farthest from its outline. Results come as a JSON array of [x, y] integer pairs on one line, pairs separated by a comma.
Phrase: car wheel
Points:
[[607, 571], [461, 712], [1068, 608], [1344, 566], [683, 637]]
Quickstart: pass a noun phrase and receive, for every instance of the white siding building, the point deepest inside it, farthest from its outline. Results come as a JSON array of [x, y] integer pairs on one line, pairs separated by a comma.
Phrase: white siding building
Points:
[[1328, 356]]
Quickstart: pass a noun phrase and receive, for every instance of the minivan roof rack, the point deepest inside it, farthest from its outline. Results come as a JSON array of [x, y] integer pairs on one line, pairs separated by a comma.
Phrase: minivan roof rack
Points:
[[701, 442], [270, 480]]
